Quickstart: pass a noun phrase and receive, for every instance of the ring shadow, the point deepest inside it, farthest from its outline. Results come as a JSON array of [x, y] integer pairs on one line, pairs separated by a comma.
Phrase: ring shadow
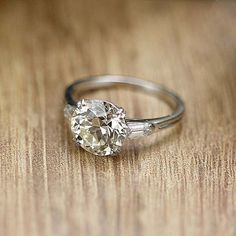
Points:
[[149, 143], [131, 152]]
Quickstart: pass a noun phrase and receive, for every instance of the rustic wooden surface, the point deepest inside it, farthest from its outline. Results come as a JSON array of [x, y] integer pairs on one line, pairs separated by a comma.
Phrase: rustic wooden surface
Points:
[[180, 182]]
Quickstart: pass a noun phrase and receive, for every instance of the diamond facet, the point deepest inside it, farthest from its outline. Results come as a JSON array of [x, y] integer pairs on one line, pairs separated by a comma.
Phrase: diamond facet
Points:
[[99, 126]]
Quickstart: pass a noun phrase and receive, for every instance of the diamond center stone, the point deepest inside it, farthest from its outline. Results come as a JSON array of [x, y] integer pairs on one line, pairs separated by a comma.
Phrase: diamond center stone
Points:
[[98, 126]]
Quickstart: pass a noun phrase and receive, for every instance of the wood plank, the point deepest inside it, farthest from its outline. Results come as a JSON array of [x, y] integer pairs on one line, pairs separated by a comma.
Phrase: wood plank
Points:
[[180, 181]]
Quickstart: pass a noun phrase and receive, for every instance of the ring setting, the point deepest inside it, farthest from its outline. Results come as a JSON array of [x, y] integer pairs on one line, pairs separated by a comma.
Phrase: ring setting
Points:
[[101, 127]]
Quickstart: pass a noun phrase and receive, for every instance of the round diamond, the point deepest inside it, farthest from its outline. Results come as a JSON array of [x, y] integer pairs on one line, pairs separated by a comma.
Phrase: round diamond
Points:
[[99, 127]]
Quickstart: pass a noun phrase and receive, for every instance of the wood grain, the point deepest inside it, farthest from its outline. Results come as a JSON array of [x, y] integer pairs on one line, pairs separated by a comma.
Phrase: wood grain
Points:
[[179, 182]]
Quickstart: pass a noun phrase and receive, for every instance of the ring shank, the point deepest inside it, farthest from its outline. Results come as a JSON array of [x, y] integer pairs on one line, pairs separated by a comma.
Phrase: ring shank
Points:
[[97, 82]]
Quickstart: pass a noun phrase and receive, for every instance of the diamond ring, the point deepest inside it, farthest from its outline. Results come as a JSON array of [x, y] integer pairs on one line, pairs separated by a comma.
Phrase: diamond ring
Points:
[[101, 127]]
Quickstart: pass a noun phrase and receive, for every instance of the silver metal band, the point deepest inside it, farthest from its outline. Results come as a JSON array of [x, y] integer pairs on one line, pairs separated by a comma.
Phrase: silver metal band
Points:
[[137, 126]]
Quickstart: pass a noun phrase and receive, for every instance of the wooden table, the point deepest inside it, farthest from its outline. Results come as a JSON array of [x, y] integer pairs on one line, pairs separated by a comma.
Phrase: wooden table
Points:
[[178, 182]]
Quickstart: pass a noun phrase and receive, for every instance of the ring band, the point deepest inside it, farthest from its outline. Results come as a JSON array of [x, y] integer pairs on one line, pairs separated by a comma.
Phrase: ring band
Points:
[[101, 127]]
